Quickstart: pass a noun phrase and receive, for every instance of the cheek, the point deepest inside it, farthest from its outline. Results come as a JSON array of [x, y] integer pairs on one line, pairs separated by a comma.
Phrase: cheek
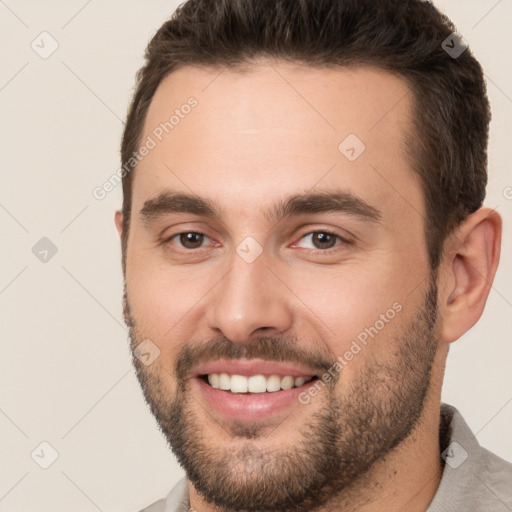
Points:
[[363, 304], [163, 299]]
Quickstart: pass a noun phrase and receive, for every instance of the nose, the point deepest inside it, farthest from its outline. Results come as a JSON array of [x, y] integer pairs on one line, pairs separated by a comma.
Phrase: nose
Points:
[[250, 301]]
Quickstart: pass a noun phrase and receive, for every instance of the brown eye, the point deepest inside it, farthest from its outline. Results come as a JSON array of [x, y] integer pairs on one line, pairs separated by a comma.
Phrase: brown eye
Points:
[[322, 240], [191, 240]]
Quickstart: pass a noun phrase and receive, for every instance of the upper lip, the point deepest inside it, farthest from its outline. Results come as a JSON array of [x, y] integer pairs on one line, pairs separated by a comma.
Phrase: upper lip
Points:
[[248, 367]]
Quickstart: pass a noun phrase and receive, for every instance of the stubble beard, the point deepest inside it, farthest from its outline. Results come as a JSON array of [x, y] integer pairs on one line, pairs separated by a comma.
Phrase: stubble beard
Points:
[[359, 423]]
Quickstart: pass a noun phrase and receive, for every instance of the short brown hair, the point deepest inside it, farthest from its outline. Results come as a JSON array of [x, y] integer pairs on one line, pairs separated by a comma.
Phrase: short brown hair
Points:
[[451, 113]]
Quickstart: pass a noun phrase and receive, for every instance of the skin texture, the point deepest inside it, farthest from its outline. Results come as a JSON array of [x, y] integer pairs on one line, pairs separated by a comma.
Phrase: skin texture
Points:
[[253, 139]]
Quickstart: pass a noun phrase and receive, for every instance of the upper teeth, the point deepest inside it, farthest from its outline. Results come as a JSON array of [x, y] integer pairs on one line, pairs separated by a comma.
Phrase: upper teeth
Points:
[[254, 383]]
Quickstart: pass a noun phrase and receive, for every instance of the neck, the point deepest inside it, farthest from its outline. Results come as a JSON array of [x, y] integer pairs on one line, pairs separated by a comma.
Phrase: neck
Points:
[[404, 480]]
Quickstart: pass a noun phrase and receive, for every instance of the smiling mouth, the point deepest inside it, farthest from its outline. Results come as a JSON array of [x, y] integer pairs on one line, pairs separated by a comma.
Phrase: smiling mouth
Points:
[[255, 384]]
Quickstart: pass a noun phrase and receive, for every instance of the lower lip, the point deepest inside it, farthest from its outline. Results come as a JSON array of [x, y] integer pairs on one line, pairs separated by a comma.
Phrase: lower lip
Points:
[[249, 407]]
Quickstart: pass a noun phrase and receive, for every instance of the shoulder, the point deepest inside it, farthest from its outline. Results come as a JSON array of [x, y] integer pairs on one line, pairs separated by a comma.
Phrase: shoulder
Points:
[[158, 506], [176, 501], [494, 476], [474, 478]]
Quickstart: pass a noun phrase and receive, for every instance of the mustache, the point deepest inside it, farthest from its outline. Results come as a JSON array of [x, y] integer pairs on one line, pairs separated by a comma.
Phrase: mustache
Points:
[[266, 348]]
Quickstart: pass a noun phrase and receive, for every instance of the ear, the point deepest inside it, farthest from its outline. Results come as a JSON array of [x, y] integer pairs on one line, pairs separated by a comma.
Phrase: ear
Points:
[[118, 219], [470, 259]]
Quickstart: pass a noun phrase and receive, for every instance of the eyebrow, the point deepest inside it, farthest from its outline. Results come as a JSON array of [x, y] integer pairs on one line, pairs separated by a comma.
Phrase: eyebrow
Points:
[[297, 204]]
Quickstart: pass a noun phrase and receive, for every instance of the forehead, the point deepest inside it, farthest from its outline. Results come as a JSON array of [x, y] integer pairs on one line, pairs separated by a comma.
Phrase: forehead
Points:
[[277, 128]]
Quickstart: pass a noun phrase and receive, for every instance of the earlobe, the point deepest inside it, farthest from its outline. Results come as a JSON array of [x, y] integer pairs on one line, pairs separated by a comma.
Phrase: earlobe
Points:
[[469, 266], [118, 219]]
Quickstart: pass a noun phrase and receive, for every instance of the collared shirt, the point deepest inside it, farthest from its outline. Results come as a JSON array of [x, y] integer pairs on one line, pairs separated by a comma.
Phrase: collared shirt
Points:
[[473, 480]]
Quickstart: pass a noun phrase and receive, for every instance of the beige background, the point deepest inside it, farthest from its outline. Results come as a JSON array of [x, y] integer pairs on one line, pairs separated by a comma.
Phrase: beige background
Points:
[[65, 370]]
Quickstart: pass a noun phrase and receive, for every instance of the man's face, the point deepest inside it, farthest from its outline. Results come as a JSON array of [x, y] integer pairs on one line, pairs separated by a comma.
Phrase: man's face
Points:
[[278, 287]]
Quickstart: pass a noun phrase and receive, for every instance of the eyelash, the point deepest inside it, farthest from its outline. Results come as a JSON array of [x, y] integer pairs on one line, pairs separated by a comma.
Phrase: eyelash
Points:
[[344, 241]]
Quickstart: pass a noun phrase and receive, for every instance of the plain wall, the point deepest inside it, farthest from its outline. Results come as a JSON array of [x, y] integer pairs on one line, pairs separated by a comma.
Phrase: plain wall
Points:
[[65, 368]]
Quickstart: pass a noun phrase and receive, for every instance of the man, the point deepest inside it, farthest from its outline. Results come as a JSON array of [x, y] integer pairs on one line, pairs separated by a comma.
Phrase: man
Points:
[[303, 237]]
